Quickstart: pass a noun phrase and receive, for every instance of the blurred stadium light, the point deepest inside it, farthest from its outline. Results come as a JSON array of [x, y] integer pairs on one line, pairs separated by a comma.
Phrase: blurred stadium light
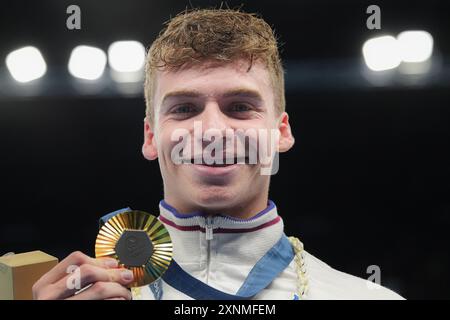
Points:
[[382, 53], [415, 46], [126, 59], [416, 49], [26, 64], [87, 62]]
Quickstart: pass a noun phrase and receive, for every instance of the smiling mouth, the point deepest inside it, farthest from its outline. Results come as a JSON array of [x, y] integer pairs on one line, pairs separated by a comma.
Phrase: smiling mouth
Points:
[[223, 163]]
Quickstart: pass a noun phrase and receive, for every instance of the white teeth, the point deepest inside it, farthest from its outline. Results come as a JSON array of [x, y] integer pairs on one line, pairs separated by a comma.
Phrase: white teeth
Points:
[[227, 161]]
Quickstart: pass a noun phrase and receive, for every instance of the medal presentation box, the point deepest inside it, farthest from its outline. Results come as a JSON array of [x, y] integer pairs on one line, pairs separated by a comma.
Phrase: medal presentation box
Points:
[[18, 273]]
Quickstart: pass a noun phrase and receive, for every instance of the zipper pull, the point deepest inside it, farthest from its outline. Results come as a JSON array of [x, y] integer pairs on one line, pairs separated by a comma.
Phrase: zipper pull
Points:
[[209, 228]]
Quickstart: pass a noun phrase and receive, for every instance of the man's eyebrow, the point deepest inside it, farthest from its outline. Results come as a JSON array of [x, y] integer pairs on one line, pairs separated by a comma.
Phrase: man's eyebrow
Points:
[[181, 94], [245, 93]]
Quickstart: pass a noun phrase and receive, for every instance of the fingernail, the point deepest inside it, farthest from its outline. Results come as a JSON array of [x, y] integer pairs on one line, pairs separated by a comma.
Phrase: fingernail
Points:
[[126, 275], [111, 263]]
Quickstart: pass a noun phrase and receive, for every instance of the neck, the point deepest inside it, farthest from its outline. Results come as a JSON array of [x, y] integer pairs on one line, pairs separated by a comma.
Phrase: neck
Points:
[[241, 210]]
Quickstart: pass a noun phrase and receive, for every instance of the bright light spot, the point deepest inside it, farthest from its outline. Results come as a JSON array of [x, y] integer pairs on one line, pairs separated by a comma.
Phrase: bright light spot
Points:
[[415, 46], [87, 62], [381, 53], [26, 64], [126, 56]]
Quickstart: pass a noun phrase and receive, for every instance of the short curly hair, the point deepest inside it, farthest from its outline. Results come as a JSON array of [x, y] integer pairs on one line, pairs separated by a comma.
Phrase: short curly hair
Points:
[[221, 35]]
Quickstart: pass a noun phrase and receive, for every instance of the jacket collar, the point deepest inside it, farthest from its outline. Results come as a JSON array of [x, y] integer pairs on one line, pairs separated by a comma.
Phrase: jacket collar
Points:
[[198, 239], [198, 221]]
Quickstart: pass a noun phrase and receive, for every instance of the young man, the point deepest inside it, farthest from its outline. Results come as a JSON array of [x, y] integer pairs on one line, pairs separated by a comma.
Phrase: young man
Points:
[[220, 71]]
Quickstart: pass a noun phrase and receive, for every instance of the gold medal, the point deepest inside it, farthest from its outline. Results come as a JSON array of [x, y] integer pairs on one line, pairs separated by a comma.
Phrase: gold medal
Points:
[[139, 241]]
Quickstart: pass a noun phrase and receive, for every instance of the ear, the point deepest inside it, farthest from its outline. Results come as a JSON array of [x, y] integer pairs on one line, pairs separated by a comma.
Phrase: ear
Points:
[[286, 140], [149, 149]]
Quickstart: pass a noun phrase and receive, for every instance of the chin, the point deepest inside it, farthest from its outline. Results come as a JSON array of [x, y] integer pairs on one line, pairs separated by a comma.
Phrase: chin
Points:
[[215, 197]]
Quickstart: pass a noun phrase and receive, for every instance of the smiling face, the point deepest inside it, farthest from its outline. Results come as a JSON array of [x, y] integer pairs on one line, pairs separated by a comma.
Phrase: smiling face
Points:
[[219, 97]]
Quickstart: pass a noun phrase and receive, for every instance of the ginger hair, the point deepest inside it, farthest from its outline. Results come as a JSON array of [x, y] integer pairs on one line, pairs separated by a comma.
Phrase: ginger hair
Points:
[[220, 35]]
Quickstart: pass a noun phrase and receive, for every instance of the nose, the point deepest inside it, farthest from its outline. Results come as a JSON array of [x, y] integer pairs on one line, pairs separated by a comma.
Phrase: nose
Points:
[[213, 118]]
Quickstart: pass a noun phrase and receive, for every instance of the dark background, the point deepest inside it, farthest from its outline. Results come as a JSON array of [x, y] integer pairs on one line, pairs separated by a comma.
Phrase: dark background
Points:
[[367, 181]]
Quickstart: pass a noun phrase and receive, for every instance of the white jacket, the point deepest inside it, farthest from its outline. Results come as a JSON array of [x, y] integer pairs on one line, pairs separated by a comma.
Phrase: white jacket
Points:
[[220, 251]]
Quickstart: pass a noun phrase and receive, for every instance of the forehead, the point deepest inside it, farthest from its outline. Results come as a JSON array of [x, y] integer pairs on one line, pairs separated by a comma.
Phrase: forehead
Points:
[[215, 79]]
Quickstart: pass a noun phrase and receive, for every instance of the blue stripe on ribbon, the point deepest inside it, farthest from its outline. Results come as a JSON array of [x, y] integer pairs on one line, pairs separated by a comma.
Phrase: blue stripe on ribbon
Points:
[[261, 275], [268, 268], [108, 216]]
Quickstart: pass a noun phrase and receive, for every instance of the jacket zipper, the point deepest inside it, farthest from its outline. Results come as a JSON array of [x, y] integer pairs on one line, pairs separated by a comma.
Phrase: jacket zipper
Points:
[[209, 228], [209, 236]]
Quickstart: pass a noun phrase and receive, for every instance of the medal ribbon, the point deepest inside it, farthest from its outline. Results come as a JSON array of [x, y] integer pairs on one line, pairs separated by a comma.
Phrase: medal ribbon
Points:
[[261, 275]]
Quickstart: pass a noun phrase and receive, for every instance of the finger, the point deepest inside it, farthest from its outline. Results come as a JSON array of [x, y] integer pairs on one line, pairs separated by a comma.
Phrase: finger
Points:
[[87, 274], [76, 258], [102, 291], [116, 298]]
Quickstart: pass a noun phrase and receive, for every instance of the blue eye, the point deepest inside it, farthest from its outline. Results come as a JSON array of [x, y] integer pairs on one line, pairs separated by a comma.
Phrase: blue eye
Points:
[[185, 108], [240, 108]]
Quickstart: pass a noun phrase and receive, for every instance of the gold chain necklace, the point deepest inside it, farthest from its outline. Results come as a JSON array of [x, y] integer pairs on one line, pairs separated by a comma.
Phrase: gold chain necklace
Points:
[[299, 259]]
